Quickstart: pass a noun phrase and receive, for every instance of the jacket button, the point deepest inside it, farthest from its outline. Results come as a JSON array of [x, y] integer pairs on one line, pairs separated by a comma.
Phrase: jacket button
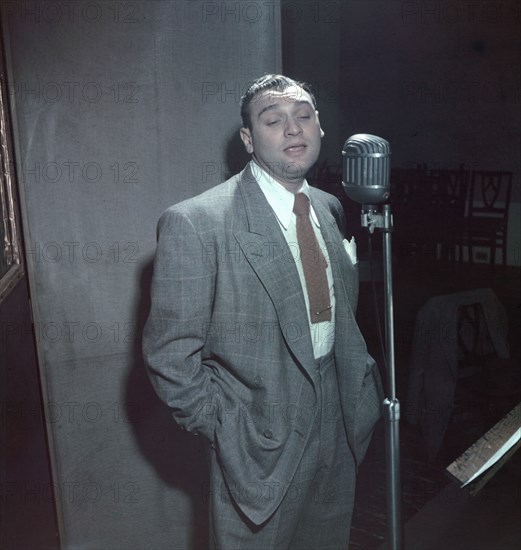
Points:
[[268, 434], [259, 381]]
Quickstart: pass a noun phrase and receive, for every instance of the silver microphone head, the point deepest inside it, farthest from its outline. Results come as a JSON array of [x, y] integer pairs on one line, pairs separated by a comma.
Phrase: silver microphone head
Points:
[[366, 168]]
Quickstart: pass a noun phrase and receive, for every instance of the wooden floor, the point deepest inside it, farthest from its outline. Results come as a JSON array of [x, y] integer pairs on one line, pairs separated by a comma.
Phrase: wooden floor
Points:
[[436, 516]]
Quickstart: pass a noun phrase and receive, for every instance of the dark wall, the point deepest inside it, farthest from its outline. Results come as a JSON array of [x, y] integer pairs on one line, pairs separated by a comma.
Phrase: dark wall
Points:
[[120, 109], [439, 80]]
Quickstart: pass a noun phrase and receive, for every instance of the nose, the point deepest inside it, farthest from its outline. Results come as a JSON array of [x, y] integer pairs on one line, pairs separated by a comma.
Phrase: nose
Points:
[[293, 128]]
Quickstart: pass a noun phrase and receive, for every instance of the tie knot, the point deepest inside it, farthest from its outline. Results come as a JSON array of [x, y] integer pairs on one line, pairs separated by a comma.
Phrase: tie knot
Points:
[[301, 205]]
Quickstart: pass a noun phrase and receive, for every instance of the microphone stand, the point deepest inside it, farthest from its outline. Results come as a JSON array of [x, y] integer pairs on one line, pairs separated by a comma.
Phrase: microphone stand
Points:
[[372, 219]]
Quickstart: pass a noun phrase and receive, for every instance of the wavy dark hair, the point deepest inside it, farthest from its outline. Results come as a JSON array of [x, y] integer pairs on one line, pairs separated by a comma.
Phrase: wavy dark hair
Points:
[[269, 82]]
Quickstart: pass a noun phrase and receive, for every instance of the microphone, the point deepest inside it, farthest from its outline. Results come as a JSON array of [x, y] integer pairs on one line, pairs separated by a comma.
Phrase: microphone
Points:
[[366, 169]]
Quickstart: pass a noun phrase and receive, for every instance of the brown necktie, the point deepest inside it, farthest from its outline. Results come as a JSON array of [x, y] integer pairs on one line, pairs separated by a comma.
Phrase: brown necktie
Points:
[[313, 263]]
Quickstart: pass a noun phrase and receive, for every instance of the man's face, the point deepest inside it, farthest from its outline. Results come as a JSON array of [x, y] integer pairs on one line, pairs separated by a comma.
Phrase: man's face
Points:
[[285, 134]]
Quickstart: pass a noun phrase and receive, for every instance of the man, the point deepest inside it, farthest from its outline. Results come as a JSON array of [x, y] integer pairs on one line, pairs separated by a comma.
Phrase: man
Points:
[[252, 339]]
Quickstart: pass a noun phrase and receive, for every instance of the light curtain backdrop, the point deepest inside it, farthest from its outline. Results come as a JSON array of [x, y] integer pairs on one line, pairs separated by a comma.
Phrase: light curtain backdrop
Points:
[[120, 110]]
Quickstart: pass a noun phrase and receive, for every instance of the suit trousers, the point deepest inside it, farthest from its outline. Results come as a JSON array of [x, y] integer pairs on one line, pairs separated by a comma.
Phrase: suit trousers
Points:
[[315, 512]]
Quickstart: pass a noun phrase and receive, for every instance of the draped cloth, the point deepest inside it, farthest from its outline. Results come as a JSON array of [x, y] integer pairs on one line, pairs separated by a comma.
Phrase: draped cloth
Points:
[[433, 369]]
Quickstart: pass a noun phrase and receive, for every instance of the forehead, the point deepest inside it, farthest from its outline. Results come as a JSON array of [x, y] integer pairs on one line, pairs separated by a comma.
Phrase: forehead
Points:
[[288, 97]]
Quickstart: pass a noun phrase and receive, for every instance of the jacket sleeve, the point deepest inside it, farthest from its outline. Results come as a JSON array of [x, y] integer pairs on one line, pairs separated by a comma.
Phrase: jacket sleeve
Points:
[[174, 335], [338, 213]]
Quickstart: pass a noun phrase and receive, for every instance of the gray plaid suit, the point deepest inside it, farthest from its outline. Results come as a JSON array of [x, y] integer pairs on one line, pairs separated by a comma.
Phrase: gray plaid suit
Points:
[[228, 345]]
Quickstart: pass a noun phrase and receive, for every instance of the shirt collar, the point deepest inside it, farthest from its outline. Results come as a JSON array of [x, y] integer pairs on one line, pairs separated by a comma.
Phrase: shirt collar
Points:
[[280, 199]]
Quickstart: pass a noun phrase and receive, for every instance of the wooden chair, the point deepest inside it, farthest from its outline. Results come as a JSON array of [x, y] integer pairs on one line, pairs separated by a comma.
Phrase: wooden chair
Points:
[[453, 191], [474, 342], [460, 349], [410, 200], [429, 207], [486, 224]]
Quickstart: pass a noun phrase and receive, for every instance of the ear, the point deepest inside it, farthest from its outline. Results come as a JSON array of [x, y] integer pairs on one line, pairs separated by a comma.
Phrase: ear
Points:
[[246, 139], [321, 131]]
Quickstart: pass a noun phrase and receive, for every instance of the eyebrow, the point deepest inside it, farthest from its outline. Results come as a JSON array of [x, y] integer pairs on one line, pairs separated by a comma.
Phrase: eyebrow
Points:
[[298, 103]]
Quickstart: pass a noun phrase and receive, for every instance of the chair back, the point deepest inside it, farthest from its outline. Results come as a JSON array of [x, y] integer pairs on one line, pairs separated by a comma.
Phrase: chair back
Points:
[[490, 194], [449, 190], [473, 334]]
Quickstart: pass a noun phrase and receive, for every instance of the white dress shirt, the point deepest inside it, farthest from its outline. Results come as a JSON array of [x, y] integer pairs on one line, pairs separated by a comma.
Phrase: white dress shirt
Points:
[[281, 201]]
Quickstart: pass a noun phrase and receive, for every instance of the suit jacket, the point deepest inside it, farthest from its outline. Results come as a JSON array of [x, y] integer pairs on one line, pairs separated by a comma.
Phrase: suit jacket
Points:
[[227, 342]]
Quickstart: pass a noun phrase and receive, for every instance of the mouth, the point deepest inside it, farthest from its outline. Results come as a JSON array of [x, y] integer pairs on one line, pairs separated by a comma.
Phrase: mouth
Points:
[[296, 148]]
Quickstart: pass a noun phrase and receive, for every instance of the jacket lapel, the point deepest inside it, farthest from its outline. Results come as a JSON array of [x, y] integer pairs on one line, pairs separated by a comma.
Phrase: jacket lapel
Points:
[[266, 249]]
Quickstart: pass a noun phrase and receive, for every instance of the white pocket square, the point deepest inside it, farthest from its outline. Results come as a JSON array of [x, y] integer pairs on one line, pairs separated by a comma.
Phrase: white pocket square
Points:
[[350, 247]]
